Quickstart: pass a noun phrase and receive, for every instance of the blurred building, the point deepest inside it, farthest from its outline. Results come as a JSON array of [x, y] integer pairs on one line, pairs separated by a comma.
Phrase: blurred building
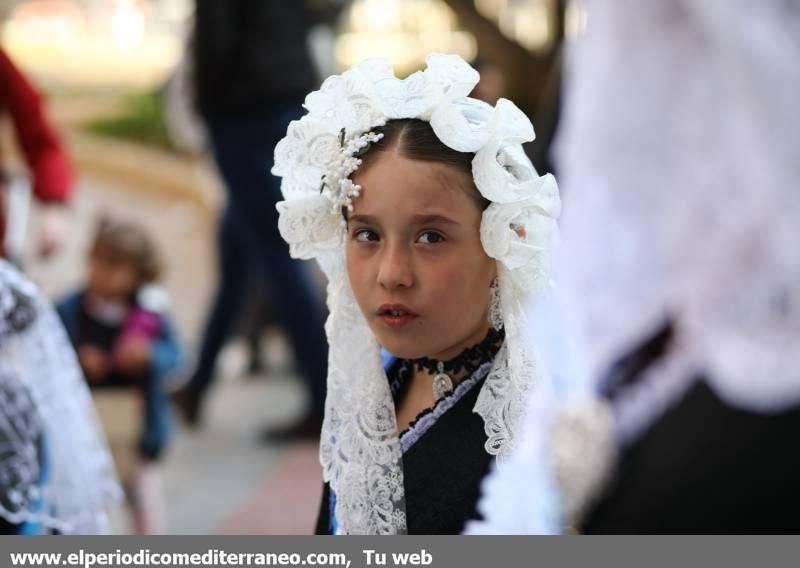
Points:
[[96, 41], [404, 31], [140, 40]]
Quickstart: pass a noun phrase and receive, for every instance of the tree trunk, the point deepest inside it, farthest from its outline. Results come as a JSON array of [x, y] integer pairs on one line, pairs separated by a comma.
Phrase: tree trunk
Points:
[[527, 73]]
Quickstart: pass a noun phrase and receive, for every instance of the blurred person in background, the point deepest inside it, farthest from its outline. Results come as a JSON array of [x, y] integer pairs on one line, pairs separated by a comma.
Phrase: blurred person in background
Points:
[[50, 168], [187, 132], [56, 474], [125, 340], [678, 152], [252, 68]]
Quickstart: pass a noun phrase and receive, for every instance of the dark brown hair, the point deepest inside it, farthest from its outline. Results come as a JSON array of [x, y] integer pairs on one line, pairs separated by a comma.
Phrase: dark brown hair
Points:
[[416, 140], [127, 242]]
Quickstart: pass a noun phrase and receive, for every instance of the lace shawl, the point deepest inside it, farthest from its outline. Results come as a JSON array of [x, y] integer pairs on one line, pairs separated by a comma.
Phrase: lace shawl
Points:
[[678, 149], [47, 414], [678, 152]]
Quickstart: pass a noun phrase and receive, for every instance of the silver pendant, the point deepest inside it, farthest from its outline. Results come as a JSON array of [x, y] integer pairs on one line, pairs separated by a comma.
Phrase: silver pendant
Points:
[[442, 383]]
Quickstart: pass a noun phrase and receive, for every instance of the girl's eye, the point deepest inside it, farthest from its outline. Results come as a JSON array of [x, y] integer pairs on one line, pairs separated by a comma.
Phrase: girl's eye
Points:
[[365, 236], [430, 238]]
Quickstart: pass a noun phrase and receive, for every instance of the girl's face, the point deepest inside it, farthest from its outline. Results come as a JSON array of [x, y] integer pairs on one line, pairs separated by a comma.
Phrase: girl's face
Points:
[[415, 259], [112, 276]]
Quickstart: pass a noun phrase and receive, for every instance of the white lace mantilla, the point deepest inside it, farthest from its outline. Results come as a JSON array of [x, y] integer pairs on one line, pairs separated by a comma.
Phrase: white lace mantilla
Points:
[[360, 450], [45, 405], [679, 149]]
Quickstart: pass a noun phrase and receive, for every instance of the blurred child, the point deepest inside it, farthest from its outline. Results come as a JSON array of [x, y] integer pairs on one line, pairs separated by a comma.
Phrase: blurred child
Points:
[[125, 341]]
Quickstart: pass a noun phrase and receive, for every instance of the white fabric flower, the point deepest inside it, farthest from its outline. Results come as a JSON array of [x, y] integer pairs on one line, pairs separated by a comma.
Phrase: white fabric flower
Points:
[[411, 97], [462, 123], [348, 101], [500, 168], [302, 157], [455, 77], [519, 234], [459, 122], [446, 77], [308, 226]]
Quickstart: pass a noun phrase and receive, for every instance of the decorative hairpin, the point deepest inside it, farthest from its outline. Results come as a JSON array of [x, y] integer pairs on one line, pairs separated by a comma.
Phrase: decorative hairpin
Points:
[[340, 188]]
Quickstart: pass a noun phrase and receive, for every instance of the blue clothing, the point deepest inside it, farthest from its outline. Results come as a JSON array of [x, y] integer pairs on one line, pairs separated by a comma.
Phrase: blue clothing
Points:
[[166, 357], [34, 435], [30, 528]]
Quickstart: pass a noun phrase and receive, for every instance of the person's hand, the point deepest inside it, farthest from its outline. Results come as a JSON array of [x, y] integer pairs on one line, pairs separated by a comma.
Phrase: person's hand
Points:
[[134, 355], [94, 362], [53, 221]]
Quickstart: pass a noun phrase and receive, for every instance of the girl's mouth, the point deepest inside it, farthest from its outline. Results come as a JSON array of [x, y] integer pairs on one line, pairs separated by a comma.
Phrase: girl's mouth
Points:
[[396, 315]]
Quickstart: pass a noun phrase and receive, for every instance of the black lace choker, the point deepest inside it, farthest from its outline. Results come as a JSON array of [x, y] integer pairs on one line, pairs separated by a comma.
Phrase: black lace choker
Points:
[[468, 361]]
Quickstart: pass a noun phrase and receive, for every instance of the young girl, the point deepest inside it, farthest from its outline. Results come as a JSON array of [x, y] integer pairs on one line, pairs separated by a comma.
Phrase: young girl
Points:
[[433, 229], [125, 340]]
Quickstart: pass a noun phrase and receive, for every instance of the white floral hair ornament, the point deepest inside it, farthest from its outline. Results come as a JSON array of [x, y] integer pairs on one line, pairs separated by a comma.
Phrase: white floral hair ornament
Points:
[[360, 449]]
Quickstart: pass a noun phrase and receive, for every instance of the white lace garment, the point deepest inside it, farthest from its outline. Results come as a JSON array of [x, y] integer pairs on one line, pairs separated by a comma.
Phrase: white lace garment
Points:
[[47, 421], [679, 156]]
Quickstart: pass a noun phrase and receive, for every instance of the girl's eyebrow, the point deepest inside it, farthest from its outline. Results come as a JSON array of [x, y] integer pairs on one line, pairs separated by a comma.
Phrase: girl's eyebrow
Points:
[[363, 219], [432, 219], [419, 219]]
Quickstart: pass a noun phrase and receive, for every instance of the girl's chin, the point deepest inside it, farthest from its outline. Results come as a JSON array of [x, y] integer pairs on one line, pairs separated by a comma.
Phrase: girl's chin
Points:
[[403, 349]]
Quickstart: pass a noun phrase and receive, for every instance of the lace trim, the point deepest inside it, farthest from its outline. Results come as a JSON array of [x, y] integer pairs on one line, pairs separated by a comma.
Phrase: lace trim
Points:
[[21, 434], [704, 193], [430, 416], [469, 359], [80, 481], [17, 311]]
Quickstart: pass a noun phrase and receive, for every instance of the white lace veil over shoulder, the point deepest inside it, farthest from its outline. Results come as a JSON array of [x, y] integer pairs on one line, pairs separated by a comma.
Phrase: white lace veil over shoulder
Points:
[[566, 447], [360, 450], [55, 470], [678, 155]]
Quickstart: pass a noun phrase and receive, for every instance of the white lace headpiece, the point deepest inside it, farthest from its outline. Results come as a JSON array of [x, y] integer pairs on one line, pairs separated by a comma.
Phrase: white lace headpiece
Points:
[[360, 450]]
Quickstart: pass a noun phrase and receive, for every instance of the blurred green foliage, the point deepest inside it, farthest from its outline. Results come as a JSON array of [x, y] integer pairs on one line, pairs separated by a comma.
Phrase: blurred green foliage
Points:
[[141, 120]]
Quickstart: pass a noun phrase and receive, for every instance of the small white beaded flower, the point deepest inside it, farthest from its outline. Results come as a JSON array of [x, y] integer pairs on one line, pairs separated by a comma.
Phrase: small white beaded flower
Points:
[[336, 183]]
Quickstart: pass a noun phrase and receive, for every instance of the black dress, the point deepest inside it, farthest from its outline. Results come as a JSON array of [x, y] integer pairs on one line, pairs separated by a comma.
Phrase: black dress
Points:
[[703, 467], [444, 460]]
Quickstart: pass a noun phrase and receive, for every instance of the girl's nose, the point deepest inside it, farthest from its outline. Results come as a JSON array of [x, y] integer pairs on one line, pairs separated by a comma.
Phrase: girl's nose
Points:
[[395, 268]]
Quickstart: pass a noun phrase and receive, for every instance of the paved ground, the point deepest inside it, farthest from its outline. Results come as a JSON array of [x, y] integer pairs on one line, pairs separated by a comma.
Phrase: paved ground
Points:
[[220, 479]]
